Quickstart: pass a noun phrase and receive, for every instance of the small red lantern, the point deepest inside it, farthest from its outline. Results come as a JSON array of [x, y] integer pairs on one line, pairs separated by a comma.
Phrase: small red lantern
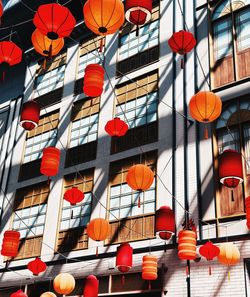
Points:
[[37, 266], [50, 161], [73, 196], [54, 20], [124, 258], [209, 251], [91, 286], [247, 203], [30, 115], [18, 293], [116, 127], [182, 42], [10, 243], [93, 80], [165, 222]]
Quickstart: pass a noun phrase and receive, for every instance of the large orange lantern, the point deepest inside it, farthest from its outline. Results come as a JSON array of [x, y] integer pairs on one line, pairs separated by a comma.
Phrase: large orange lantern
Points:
[[48, 294], [247, 203], [93, 80], [30, 115], [64, 283], [50, 161], [10, 243], [149, 268], [205, 107], [187, 245]]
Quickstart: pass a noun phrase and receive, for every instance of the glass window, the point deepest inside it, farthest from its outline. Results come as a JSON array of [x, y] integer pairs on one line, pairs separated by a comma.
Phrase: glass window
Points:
[[94, 57], [243, 30]]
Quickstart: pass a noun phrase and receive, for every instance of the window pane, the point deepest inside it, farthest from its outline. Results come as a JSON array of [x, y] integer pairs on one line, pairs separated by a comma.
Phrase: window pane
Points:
[[243, 30]]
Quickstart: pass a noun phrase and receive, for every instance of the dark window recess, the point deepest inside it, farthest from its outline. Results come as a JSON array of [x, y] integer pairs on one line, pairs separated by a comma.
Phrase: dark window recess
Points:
[[50, 98], [8, 291], [73, 239], [138, 61], [135, 137], [78, 86], [81, 154], [30, 170]]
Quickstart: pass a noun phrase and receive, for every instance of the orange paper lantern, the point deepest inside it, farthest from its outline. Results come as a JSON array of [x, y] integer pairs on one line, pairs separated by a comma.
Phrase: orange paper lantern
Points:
[[149, 267], [187, 245], [10, 243], [93, 80], [48, 294], [64, 283], [140, 177], [50, 161], [98, 229]]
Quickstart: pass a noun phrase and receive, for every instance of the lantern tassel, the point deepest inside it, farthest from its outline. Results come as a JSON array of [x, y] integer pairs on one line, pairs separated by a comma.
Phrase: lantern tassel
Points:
[[48, 181], [101, 45], [210, 270], [206, 132], [3, 76], [96, 251], [50, 51], [123, 280], [139, 201], [232, 195], [137, 31], [182, 63], [149, 285], [229, 275], [44, 63]]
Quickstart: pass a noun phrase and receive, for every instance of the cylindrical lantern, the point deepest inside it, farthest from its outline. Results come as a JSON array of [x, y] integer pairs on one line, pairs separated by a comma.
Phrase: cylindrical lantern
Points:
[[149, 267], [54, 20], [116, 127], [64, 283], [124, 257], [140, 177], [98, 229], [182, 42], [73, 196], [230, 168], [30, 115], [10, 243], [18, 293], [187, 245], [50, 161], [48, 294], [138, 12], [37, 266], [93, 80], [209, 251], [165, 222], [247, 203], [91, 286]]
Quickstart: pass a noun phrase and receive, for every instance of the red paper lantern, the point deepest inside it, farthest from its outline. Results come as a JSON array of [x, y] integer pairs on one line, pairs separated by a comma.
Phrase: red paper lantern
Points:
[[1, 8], [209, 251], [91, 286], [138, 12], [247, 203], [124, 257], [73, 196], [182, 42], [30, 115], [18, 293], [37, 266], [10, 243], [116, 127], [93, 80], [187, 245], [165, 222], [54, 20], [50, 161], [230, 169]]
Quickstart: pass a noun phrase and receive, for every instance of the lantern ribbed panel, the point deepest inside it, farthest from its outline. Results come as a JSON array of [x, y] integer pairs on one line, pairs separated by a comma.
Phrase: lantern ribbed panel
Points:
[[73, 196], [229, 254], [30, 115], [124, 257], [165, 222], [230, 168], [93, 80], [45, 46], [182, 42], [10, 243], [247, 204], [48, 294], [50, 161], [18, 293], [64, 283], [205, 107], [103, 18], [98, 229], [91, 286], [149, 267], [37, 266], [116, 127], [140, 177], [10, 53], [138, 12], [187, 245]]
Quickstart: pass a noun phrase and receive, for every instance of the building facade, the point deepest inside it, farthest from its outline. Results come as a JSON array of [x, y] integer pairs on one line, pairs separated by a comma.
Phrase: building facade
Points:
[[145, 86]]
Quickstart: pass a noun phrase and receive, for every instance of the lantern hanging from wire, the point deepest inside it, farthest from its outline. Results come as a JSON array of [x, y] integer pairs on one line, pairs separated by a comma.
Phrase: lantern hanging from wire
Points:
[[91, 286], [187, 245], [138, 12], [103, 19], [116, 127], [73, 196], [30, 115], [209, 251], [48, 294], [229, 255], [93, 80], [124, 259], [247, 204], [64, 283], [205, 107], [149, 268], [140, 178], [50, 161], [165, 222], [10, 55], [37, 266], [54, 20], [10, 243], [18, 293]]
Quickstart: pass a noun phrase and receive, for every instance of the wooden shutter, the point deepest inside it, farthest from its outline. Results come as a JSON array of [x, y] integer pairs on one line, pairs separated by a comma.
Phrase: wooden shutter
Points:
[[223, 71], [243, 63], [85, 108], [51, 64]]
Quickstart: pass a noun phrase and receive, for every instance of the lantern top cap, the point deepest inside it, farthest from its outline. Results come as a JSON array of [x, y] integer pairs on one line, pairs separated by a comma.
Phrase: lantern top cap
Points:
[[230, 151], [95, 67], [12, 233], [165, 207], [91, 276], [51, 148]]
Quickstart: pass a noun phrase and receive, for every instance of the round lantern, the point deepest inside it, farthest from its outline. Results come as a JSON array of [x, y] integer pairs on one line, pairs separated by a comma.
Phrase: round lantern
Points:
[[103, 19], [182, 42], [30, 115], [138, 12], [73, 196], [50, 161], [187, 245], [98, 229], [205, 107], [91, 286], [64, 283], [48, 294], [54, 20], [45, 46], [116, 127], [10, 243], [165, 222], [149, 268], [18, 293], [37, 266], [247, 204], [93, 80], [209, 251]]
